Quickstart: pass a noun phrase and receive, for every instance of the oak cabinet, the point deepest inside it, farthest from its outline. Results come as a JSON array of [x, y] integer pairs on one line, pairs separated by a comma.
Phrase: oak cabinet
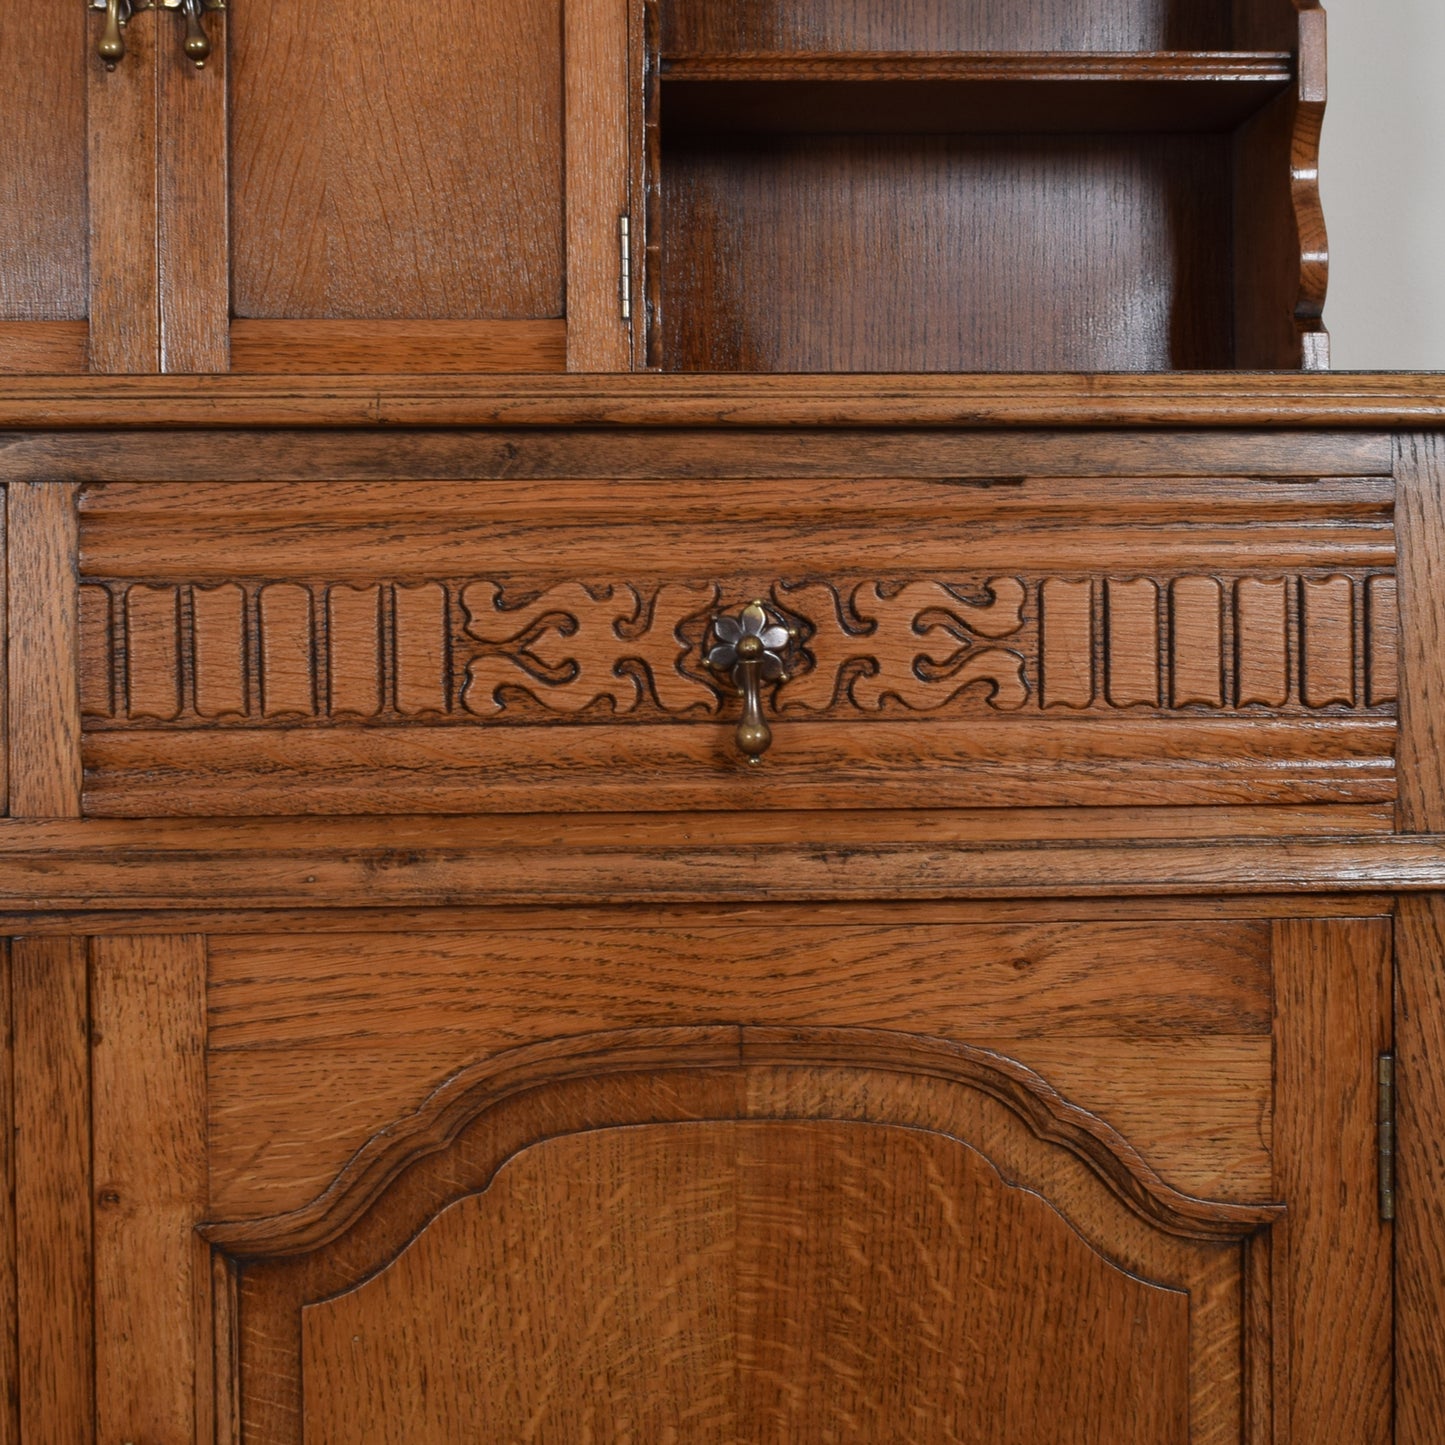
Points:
[[427, 1022]]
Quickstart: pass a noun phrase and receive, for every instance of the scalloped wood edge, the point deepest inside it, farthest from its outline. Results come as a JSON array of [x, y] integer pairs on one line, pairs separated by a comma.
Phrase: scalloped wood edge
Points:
[[470, 1094], [1309, 216]]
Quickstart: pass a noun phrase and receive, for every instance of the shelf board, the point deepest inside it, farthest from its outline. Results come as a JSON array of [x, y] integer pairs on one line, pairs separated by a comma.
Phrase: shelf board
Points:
[[1021, 92]]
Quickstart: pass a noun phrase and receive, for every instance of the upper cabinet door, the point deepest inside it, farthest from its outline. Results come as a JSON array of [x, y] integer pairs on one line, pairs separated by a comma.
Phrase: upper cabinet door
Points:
[[335, 189]]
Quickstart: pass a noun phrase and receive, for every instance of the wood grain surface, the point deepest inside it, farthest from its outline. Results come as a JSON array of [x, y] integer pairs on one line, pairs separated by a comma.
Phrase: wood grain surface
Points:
[[124, 182], [906, 1291], [1334, 1256], [835, 1077], [53, 1197], [192, 200], [384, 188], [42, 663], [338, 347], [1419, 1235], [43, 263], [44, 346], [847, 25], [9, 1239], [1372, 401], [1421, 523], [1161, 1029], [1090, 279], [359, 862], [152, 1272], [597, 102]]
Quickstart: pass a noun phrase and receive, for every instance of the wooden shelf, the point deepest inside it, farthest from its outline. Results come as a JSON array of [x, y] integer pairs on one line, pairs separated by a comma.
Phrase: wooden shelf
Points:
[[1032, 93]]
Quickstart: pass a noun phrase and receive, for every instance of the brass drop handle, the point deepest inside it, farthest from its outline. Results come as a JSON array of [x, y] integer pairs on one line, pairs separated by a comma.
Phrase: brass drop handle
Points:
[[750, 648], [196, 43], [111, 48]]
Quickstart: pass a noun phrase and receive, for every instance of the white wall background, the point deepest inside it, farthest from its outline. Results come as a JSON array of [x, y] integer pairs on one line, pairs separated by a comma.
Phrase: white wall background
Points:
[[1382, 181]]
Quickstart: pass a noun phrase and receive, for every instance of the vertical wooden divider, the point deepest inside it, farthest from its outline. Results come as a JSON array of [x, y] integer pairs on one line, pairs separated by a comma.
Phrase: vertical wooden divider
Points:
[[1332, 1019], [124, 282], [596, 60], [9, 1317], [193, 244], [43, 702], [152, 1271], [51, 1020], [1420, 950]]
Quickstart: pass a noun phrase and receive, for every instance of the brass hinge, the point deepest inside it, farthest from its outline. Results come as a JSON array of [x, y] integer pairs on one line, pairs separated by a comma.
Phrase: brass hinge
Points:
[[624, 247], [1387, 1136]]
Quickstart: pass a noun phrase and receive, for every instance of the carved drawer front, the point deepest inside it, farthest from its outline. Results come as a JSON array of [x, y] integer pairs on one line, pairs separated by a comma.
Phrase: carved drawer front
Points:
[[559, 644], [786, 1175]]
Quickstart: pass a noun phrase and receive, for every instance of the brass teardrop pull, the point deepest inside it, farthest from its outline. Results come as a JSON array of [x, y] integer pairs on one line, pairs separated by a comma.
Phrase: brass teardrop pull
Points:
[[197, 43], [111, 48], [751, 649]]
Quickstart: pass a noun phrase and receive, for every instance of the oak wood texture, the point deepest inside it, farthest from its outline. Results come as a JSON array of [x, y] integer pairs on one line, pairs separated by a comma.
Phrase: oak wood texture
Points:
[[1333, 1003], [1044, 254], [668, 1077], [9, 1239], [1420, 470], [701, 1228], [1045, 25], [1160, 1029], [152, 1272], [981, 93], [315, 166], [338, 347], [597, 100], [1270, 402], [124, 192], [44, 346], [42, 605], [393, 862], [54, 1317], [1419, 1236], [1420, 1001], [685, 454], [192, 213], [43, 261]]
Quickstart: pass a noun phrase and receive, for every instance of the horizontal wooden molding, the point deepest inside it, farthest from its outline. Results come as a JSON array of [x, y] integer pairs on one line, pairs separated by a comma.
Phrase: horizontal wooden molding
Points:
[[1205, 400], [377, 863], [338, 347], [44, 347]]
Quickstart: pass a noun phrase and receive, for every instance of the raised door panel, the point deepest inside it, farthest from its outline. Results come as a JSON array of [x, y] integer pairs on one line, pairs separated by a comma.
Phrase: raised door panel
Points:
[[441, 193], [44, 262]]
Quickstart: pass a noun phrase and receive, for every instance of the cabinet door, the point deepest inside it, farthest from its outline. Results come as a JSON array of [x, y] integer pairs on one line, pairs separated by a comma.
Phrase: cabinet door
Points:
[[793, 1177], [336, 189]]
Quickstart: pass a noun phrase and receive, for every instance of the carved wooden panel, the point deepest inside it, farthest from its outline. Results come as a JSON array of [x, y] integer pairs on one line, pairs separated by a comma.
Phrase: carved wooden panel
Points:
[[255, 653], [747, 1234]]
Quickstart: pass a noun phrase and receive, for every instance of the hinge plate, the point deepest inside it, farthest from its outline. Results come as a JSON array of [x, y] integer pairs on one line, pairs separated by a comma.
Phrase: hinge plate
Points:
[[1386, 1117], [624, 282]]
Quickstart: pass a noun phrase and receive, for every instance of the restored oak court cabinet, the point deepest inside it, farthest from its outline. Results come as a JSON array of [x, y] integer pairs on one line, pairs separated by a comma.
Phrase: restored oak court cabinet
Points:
[[880, 879]]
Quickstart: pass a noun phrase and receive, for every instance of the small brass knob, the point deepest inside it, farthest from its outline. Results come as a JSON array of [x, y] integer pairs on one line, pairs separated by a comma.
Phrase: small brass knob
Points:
[[750, 649], [111, 48], [197, 43]]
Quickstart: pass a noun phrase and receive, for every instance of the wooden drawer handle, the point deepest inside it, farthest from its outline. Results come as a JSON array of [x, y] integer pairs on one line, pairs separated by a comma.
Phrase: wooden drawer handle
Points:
[[751, 648]]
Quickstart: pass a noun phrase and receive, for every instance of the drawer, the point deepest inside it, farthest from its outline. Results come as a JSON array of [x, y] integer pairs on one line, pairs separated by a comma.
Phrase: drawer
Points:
[[958, 635]]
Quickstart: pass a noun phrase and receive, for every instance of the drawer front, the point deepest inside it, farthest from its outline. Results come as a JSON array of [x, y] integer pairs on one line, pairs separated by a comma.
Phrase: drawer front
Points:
[[542, 644]]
